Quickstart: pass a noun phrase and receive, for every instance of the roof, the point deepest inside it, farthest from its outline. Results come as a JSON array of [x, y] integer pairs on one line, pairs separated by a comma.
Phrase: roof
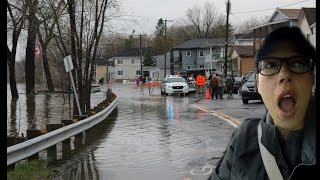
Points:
[[310, 14], [101, 61], [290, 13], [244, 50], [250, 35], [199, 43]]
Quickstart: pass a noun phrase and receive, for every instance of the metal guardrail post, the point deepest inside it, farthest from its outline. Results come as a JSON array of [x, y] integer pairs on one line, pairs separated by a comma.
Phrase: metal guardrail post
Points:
[[32, 133]]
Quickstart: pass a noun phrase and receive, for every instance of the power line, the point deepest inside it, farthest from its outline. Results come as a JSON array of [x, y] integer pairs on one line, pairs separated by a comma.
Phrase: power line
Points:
[[243, 12]]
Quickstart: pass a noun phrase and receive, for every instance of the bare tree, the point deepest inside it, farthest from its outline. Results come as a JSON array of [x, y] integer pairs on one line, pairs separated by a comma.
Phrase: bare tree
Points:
[[87, 20], [30, 49], [45, 27], [245, 26], [17, 18], [200, 22]]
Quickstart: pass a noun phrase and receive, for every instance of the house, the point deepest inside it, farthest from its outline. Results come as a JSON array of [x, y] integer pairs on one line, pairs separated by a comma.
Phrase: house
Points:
[[247, 39], [307, 24], [193, 54], [160, 59], [279, 18], [100, 69], [152, 71], [243, 55], [127, 64], [215, 56]]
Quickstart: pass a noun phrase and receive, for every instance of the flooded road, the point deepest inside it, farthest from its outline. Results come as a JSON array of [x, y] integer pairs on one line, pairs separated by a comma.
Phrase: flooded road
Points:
[[149, 136]]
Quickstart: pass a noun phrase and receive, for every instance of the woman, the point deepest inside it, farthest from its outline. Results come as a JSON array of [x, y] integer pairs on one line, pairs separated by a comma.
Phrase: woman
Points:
[[280, 145]]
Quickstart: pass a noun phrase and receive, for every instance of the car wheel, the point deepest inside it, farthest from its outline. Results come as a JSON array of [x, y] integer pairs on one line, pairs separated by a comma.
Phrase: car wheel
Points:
[[245, 101]]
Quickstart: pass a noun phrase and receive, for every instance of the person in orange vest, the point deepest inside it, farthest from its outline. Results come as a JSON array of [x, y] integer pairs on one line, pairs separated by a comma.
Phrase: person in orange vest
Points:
[[201, 82]]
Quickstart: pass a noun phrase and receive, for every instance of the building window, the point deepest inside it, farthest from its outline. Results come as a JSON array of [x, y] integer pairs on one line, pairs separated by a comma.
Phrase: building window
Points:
[[138, 72], [201, 53], [188, 66], [133, 61], [188, 53], [120, 72], [119, 61], [201, 66]]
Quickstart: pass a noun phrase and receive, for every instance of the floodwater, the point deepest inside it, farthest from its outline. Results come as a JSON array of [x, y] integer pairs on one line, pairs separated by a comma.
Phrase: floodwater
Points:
[[148, 136], [35, 111]]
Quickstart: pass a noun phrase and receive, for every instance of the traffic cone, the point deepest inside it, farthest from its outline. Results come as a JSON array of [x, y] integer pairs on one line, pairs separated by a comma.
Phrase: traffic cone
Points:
[[208, 96]]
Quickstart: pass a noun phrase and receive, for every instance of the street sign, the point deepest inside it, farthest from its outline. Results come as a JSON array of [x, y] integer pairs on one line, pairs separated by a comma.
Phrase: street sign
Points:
[[68, 63], [69, 66]]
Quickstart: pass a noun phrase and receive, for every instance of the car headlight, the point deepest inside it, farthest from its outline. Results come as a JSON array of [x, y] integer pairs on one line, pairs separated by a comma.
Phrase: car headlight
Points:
[[244, 88], [168, 86], [185, 86]]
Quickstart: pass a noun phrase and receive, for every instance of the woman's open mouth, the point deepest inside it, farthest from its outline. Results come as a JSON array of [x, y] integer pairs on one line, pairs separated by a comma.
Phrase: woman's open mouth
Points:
[[286, 104]]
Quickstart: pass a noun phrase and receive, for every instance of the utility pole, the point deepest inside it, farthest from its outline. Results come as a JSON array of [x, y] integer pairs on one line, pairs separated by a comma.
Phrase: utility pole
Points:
[[140, 53], [165, 46], [226, 43], [140, 49]]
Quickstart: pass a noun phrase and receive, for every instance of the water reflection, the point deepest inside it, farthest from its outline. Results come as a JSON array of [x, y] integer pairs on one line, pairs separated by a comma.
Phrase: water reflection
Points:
[[35, 111], [80, 163], [31, 106]]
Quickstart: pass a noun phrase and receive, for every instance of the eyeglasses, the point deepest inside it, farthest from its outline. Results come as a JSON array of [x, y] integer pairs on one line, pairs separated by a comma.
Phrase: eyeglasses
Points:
[[271, 65]]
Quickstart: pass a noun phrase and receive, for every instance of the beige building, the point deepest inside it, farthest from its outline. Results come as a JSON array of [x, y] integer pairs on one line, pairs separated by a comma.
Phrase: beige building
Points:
[[244, 58], [100, 69]]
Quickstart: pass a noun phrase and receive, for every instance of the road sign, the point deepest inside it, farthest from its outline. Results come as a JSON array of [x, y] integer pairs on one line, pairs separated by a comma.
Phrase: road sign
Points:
[[68, 63], [69, 66]]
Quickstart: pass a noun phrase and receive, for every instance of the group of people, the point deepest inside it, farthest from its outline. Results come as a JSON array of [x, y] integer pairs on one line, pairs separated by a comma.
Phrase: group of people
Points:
[[143, 80], [217, 87]]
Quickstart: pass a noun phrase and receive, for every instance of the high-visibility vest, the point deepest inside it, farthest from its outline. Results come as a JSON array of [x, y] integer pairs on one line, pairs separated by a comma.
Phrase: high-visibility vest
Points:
[[201, 80]]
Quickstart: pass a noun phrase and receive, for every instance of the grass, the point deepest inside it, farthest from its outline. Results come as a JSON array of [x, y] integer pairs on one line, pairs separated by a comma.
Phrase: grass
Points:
[[35, 169]]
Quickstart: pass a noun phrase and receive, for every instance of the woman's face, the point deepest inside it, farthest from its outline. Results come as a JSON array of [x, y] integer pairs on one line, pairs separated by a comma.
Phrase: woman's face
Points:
[[286, 94]]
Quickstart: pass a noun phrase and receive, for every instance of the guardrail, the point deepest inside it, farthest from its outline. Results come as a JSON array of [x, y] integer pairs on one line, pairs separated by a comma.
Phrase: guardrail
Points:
[[23, 150]]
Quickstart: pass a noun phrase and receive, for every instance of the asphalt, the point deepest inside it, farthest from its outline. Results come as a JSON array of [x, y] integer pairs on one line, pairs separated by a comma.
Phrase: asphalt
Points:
[[232, 109]]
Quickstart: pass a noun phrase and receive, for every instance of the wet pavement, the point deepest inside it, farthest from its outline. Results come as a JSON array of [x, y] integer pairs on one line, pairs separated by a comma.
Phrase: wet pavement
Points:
[[151, 136]]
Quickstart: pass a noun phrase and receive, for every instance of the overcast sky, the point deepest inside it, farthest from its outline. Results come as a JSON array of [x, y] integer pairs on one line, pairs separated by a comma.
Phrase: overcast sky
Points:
[[147, 12], [144, 14]]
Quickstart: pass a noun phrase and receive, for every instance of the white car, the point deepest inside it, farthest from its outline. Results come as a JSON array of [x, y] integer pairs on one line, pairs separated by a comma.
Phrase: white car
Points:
[[174, 85]]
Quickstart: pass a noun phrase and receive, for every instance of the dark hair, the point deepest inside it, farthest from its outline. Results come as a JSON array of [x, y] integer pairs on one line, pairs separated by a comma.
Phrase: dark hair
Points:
[[290, 35]]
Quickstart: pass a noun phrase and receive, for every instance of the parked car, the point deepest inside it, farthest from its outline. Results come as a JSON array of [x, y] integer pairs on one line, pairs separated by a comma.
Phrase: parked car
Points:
[[246, 76], [249, 90], [174, 85]]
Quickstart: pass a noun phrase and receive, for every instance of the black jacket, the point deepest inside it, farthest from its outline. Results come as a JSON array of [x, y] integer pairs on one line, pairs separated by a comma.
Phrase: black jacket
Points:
[[296, 156]]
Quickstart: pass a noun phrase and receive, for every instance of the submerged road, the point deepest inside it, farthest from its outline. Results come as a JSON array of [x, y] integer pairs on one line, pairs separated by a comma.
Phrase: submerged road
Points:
[[156, 137]]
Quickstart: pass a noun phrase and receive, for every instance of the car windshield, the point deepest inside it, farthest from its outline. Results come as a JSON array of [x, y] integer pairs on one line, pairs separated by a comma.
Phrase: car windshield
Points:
[[252, 78], [170, 80]]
